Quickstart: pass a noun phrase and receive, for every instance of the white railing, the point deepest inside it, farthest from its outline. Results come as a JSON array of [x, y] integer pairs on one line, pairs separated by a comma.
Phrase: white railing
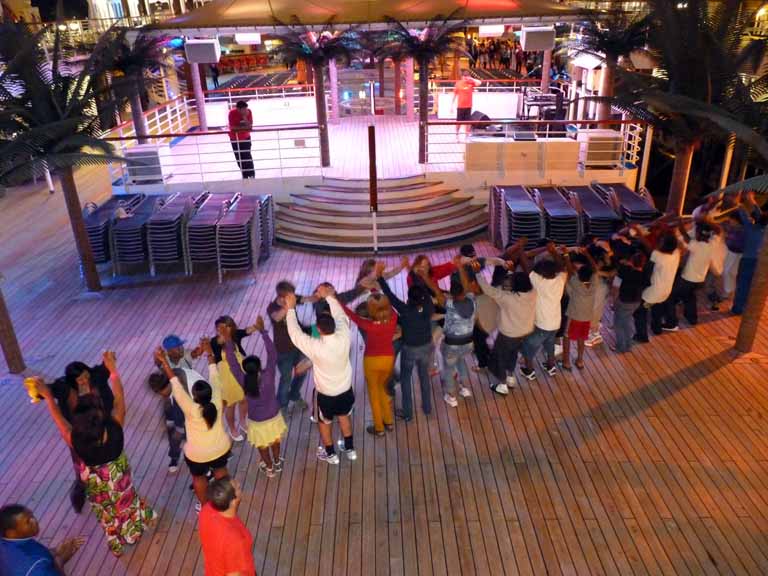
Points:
[[232, 95], [612, 145]]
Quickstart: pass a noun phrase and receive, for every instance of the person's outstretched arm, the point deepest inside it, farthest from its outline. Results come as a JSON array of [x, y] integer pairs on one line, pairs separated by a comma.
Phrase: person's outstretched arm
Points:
[[302, 341], [398, 304], [64, 427], [118, 408]]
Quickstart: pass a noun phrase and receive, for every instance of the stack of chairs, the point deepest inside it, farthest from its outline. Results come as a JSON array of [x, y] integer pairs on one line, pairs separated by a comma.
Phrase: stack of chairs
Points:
[[495, 204], [98, 221], [520, 217], [129, 235], [562, 220], [267, 227], [597, 218], [201, 229], [237, 235], [634, 208], [165, 230]]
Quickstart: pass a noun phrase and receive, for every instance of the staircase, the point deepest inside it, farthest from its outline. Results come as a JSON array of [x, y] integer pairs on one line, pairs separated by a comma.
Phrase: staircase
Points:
[[335, 215]]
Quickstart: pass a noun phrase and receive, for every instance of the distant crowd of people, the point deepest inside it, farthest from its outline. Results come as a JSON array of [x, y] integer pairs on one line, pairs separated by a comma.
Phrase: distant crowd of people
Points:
[[538, 304], [508, 54]]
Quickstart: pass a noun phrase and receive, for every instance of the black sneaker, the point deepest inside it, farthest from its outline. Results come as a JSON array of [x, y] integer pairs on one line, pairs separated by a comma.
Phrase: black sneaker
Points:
[[400, 415], [529, 373], [640, 339], [551, 370], [77, 496]]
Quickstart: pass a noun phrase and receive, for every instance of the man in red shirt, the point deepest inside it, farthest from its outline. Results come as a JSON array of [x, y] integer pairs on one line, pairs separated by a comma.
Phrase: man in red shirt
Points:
[[462, 97], [227, 544], [240, 124]]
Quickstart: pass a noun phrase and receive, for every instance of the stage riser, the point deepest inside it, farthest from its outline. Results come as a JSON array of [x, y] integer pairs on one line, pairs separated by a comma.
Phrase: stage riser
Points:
[[396, 205], [364, 218]]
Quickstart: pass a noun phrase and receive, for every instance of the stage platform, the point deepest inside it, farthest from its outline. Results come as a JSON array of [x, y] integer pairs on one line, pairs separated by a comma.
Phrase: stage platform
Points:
[[654, 462]]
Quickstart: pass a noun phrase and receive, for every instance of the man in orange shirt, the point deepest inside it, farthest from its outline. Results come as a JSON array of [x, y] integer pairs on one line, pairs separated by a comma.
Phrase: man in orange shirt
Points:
[[462, 97], [227, 544], [240, 124]]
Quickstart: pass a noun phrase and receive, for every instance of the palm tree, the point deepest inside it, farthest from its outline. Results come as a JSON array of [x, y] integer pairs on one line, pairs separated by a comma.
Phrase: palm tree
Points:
[[299, 43], [438, 38], [48, 114], [610, 38], [129, 64]]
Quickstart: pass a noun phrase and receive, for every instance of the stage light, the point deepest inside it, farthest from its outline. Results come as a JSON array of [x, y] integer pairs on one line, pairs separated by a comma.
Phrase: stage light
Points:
[[248, 38]]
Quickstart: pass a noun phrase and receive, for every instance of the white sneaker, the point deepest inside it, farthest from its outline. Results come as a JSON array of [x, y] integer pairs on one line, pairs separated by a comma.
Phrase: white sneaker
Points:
[[501, 388], [511, 382], [350, 454], [450, 400], [198, 506], [238, 438], [558, 350], [594, 340], [323, 455], [465, 392]]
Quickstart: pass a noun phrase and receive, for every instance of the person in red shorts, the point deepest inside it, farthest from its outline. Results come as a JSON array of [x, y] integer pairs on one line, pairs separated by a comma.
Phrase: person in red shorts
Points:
[[462, 98], [227, 544], [581, 292], [240, 123]]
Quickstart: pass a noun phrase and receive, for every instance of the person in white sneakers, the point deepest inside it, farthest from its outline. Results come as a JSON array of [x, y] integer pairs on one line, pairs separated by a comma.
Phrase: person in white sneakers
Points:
[[329, 354], [517, 308]]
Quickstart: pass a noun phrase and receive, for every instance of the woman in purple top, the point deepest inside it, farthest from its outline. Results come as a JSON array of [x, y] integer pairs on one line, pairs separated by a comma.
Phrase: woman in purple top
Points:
[[266, 426]]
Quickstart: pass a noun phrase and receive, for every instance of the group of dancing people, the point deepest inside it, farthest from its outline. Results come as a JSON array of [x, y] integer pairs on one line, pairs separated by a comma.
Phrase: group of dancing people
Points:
[[538, 301]]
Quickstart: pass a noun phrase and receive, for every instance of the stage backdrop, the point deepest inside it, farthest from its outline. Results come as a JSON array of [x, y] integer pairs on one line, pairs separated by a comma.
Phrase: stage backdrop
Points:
[[267, 111]]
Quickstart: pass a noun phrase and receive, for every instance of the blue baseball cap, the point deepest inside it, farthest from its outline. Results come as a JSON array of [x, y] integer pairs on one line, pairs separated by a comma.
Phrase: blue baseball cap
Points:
[[172, 341]]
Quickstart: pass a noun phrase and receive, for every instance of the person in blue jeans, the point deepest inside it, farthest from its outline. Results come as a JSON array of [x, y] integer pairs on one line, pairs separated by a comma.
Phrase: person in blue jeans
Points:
[[416, 323], [753, 222]]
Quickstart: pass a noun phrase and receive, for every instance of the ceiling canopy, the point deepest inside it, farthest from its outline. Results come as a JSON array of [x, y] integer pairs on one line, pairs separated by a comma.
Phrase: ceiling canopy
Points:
[[232, 15]]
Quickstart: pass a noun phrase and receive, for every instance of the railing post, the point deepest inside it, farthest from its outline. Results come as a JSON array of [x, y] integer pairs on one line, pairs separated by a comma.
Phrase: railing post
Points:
[[646, 157], [373, 194]]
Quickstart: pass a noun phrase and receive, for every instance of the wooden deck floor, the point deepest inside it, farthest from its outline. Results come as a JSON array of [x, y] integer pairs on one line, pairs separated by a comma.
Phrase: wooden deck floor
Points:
[[651, 463]]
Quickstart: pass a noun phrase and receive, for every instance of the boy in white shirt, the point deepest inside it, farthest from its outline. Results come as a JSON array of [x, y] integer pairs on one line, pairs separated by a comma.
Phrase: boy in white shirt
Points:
[[665, 260]]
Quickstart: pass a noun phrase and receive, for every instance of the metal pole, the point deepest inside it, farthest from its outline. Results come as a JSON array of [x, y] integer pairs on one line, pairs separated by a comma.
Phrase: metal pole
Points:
[[197, 87], [646, 157], [373, 194]]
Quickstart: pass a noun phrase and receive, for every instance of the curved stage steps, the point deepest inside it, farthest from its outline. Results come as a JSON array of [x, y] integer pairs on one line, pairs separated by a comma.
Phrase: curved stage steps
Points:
[[334, 215]]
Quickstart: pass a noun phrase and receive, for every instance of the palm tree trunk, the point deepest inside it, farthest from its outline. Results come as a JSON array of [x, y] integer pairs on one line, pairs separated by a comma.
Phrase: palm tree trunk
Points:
[[725, 171], [680, 173], [8, 340], [606, 91], [322, 115], [753, 311], [137, 115], [75, 211], [423, 108], [397, 88]]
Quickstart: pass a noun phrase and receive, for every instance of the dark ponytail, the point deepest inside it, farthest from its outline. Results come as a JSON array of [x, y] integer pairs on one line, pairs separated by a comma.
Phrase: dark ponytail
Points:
[[252, 368], [202, 393]]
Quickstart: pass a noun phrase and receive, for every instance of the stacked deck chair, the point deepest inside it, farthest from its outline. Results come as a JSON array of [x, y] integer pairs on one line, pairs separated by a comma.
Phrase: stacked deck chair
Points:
[[495, 203], [238, 240], [597, 217], [98, 221], [520, 217], [634, 208], [129, 235], [201, 229], [165, 231], [267, 228], [561, 218]]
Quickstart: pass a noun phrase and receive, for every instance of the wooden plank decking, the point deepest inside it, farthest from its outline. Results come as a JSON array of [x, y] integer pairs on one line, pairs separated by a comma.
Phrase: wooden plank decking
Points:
[[650, 463]]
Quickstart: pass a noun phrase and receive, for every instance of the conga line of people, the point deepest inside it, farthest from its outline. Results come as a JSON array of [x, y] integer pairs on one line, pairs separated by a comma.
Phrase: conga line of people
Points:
[[537, 302]]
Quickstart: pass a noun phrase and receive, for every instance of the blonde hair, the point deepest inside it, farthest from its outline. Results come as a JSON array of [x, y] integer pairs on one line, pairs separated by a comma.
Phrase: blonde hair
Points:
[[379, 308]]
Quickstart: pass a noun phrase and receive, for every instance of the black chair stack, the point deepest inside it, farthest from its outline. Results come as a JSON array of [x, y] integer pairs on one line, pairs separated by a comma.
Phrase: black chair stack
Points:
[[597, 218], [562, 220], [129, 235], [267, 227], [520, 217], [237, 235], [495, 203], [201, 230], [98, 222], [634, 208], [165, 231]]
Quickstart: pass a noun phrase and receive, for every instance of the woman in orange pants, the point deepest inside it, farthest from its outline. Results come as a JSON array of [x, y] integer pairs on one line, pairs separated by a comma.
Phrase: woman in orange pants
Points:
[[379, 360]]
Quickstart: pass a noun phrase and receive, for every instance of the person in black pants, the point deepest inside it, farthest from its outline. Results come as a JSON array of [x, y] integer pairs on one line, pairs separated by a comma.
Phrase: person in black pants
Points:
[[240, 124]]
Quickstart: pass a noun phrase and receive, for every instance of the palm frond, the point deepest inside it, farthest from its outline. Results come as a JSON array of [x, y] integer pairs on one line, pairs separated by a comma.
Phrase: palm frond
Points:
[[758, 184]]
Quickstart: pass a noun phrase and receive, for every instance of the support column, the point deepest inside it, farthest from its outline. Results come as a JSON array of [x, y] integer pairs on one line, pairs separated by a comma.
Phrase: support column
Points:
[[333, 78], [546, 66], [573, 97], [409, 96], [398, 84], [581, 108], [646, 157], [729, 146], [197, 89], [758, 294], [380, 66]]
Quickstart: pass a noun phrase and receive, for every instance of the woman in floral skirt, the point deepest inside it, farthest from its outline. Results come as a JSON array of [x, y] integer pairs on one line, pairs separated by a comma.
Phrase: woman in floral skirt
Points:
[[97, 439]]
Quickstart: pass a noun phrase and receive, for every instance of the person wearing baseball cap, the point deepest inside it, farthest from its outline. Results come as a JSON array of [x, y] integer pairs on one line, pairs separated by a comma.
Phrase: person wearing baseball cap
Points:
[[178, 357]]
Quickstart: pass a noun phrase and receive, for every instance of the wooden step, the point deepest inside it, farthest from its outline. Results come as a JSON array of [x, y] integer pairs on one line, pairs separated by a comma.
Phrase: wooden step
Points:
[[384, 212], [421, 199], [424, 224], [316, 240], [395, 188]]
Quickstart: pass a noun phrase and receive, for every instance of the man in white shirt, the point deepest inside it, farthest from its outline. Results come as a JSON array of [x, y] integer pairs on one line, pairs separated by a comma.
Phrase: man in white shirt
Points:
[[548, 279], [332, 369], [701, 254], [665, 260]]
